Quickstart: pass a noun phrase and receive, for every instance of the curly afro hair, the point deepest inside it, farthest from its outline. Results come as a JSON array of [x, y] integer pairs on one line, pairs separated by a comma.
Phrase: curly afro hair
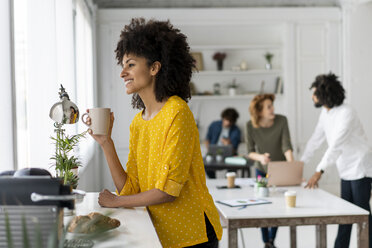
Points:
[[328, 90], [159, 41]]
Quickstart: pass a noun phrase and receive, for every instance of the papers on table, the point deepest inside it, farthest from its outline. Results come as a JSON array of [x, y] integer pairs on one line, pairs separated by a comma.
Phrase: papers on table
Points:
[[244, 202]]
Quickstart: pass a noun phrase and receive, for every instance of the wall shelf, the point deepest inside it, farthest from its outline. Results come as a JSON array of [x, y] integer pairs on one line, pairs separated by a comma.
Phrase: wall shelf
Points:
[[234, 73], [227, 97], [238, 47]]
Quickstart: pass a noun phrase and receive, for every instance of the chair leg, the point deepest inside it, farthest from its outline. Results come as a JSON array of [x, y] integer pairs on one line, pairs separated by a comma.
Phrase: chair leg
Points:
[[241, 235]]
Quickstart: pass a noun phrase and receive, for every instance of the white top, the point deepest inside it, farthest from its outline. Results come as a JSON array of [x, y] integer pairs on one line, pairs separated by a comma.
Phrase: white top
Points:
[[135, 230], [347, 143], [223, 135], [309, 203]]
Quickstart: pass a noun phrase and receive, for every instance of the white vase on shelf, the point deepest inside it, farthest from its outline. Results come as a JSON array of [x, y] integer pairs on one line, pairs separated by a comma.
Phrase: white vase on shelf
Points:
[[232, 91]]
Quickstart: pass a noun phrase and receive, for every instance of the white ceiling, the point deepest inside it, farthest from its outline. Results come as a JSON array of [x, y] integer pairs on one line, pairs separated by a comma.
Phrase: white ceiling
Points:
[[212, 3]]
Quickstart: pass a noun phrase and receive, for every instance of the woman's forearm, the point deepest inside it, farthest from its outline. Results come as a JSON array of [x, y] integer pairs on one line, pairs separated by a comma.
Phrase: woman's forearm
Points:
[[254, 156], [147, 198], [117, 172], [289, 155]]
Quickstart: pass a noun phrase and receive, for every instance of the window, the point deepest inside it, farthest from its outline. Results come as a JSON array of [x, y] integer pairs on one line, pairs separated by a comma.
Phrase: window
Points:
[[53, 45], [21, 76]]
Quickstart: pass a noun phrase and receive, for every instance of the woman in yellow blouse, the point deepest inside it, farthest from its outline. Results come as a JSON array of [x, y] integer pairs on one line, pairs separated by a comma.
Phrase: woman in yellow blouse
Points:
[[165, 170]]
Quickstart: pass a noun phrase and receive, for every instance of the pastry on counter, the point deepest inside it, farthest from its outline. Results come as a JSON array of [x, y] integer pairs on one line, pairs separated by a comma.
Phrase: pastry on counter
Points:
[[92, 223]]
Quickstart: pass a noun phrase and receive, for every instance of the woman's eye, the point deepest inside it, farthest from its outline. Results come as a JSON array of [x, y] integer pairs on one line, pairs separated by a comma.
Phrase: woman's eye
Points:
[[130, 65]]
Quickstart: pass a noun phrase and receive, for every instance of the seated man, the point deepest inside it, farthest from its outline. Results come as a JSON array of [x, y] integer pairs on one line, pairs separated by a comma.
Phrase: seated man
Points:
[[224, 132]]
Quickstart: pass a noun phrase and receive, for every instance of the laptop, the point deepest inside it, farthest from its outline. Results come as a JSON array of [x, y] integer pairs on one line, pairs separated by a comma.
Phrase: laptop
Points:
[[225, 151], [283, 173]]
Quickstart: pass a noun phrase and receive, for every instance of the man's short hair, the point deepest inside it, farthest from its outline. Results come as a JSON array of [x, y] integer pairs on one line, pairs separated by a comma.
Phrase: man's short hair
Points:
[[230, 114]]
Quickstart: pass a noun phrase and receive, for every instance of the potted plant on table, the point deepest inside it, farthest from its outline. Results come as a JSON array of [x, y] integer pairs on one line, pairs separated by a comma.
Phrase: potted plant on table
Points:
[[260, 188], [66, 165], [219, 155]]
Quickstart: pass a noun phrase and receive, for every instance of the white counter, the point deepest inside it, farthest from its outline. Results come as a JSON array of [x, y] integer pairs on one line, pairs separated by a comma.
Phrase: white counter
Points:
[[136, 229]]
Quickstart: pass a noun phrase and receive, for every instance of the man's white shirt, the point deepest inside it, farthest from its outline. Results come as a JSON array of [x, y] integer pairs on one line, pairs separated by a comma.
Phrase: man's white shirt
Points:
[[347, 143]]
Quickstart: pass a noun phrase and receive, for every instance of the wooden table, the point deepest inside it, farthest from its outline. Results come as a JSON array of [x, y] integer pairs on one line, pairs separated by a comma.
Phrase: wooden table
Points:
[[215, 166], [136, 229], [313, 207]]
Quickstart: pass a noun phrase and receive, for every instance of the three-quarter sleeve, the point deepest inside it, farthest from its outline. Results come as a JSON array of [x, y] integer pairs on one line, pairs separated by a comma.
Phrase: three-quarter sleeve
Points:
[[131, 185], [251, 147], [177, 154], [286, 137]]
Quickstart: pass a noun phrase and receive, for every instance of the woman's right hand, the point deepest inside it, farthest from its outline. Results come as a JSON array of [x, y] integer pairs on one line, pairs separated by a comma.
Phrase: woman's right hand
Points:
[[265, 158], [101, 139]]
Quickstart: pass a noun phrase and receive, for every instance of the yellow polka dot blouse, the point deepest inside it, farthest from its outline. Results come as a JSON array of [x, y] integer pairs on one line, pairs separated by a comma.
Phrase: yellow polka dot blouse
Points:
[[165, 154]]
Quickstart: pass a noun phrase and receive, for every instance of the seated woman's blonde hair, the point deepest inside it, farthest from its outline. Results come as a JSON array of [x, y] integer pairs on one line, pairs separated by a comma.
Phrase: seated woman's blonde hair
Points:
[[256, 106]]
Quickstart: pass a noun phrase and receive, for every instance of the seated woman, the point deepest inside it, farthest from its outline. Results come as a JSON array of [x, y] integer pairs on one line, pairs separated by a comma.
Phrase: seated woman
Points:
[[268, 139], [165, 169]]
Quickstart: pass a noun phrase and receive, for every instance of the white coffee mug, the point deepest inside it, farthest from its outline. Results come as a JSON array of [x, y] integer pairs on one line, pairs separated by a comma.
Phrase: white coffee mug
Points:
[[99, 120]]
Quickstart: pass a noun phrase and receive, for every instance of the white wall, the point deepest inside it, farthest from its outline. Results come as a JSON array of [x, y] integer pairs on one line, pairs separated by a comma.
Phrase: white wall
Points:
[[298, 31], [360, 90]]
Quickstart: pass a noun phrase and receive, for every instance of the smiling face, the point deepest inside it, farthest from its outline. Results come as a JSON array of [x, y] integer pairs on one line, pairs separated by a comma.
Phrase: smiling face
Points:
[[137, 74], [267, 111]]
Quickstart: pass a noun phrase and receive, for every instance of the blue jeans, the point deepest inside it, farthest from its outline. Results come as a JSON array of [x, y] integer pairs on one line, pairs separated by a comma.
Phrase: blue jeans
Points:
[[268, 233], [359, 193]]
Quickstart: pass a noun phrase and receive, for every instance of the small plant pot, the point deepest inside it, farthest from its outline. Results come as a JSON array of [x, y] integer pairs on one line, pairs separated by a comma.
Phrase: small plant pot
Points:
[[219, 158], [209, 159], [268, 66], [263, 192], [232, 91]]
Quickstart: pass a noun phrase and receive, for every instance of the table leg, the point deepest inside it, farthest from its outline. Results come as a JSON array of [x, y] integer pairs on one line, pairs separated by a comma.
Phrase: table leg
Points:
[[293, 236], [321, 236], [363, 237], [232, 233]]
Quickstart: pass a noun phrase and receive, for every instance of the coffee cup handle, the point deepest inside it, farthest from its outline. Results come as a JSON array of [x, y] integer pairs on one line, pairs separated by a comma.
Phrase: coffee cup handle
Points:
[[82, 118]]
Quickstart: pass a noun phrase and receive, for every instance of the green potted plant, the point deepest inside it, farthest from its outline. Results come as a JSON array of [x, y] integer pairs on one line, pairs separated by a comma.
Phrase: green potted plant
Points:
[[66, 163], [268, 58]]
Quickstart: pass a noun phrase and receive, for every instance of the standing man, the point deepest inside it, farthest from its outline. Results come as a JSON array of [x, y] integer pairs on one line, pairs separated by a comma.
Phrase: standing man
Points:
[[348, 148]]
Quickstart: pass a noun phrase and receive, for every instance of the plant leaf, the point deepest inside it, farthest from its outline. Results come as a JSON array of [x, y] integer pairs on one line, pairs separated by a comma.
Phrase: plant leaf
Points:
[[8, 231], [26, 242], [38, 238]]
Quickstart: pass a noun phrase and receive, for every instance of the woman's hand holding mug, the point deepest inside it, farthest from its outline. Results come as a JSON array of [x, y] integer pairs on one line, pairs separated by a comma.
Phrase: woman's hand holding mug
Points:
[[100, 122]]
